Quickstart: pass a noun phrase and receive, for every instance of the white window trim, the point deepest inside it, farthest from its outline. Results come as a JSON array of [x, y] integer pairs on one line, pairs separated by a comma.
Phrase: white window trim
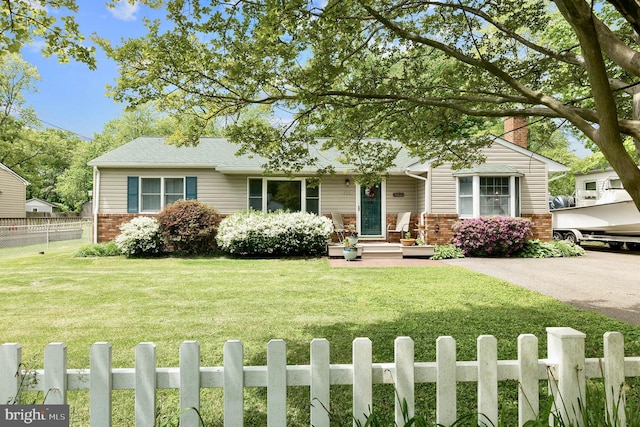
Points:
[[514, 205], [303, 191], [162, 191]]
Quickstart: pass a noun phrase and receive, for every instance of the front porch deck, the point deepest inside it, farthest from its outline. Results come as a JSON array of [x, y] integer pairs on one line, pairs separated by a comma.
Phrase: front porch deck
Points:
[[369, 250]]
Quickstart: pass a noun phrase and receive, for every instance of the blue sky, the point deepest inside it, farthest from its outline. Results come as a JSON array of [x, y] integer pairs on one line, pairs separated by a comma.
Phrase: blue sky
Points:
[[71, 96]]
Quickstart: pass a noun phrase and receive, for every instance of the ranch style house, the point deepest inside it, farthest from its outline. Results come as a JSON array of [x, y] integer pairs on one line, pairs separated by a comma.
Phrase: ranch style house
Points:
[[146, 174]]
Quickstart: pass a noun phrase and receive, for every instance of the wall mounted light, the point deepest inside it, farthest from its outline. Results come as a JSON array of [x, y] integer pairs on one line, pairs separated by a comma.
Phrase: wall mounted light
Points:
[[347, 182]]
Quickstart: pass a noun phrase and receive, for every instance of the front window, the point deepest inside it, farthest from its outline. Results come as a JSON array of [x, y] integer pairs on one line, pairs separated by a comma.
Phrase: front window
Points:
[[289, 195], [480, 196], [284, 195], [151, 194], [156, 193], [173, 190], [494, 196], [465, 196]]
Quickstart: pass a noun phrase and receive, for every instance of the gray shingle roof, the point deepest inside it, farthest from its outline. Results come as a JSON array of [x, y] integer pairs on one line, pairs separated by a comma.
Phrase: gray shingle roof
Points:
[[218, 153]]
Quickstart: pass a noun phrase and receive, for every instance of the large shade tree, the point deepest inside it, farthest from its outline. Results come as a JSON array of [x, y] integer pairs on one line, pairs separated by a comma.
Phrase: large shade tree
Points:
[[50, 22], [426, 73]]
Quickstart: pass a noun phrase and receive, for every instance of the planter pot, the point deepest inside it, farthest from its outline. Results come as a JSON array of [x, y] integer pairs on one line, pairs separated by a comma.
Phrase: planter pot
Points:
[[407, 242], [350, 253]]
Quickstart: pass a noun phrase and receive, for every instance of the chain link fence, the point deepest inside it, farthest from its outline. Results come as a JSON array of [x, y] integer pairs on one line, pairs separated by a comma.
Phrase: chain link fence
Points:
[[42, 231]]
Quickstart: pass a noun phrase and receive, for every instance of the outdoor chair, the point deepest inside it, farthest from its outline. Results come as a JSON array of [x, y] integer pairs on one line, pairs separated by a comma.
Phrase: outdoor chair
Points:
[[400, 227], [338, 225]]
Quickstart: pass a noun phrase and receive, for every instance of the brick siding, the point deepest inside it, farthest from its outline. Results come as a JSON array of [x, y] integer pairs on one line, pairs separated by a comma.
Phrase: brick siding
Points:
[[109, 225], [439, 227]]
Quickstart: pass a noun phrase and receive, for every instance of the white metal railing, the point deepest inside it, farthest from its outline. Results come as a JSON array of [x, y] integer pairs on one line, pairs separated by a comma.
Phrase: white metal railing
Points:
[[565, 369]]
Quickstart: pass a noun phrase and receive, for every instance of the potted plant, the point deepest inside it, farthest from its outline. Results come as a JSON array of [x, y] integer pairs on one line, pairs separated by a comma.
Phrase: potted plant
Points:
[[352, 234], [407, 241], [349, 250]]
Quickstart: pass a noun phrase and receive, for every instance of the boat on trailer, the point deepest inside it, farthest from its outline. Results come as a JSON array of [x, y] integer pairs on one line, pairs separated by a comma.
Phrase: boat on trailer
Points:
[[600, 210]]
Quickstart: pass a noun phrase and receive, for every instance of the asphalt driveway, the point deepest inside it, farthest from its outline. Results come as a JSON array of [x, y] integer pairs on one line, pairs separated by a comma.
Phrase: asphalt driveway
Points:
[[602, 281]]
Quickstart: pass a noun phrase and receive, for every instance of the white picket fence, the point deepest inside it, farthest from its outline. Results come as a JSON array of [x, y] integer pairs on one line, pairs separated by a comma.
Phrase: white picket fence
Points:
[[565, 369]]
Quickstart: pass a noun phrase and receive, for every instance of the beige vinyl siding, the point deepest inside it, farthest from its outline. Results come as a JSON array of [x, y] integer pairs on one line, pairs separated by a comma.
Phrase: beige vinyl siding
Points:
[[226, 193], [13, 197], [335, 196], [533, 183], [409, 188], [443, 190]]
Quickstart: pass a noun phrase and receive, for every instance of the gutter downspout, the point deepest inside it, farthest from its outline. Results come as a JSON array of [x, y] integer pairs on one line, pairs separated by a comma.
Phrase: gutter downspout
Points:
[[556, 177], [427, 195], [96, 202]]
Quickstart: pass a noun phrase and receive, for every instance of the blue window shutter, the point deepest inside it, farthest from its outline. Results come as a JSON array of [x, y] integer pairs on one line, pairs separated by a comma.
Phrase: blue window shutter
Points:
[[192, 188], [132, 194]]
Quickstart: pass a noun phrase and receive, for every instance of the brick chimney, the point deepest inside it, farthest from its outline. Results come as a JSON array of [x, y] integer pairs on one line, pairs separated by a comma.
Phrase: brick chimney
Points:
[[515, 131]]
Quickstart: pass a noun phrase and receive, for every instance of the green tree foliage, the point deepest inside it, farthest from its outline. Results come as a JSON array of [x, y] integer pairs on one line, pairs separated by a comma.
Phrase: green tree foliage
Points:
[[49, 21], [17, 77], [51, 153], [422, 72]]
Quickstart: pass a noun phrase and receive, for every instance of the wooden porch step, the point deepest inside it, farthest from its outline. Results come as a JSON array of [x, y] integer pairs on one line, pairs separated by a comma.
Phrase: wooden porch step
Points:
[[381, 251]]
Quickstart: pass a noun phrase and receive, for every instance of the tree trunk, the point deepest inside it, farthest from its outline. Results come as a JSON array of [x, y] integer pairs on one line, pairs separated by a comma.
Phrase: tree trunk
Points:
[[636, 116], [607, 137]]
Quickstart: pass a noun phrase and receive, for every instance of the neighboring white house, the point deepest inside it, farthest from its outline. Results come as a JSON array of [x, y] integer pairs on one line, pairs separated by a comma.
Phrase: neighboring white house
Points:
[[13, 193], [41, 206]]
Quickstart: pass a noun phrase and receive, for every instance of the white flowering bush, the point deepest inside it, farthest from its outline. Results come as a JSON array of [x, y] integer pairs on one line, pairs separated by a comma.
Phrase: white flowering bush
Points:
[[274, 234], [140, 237]]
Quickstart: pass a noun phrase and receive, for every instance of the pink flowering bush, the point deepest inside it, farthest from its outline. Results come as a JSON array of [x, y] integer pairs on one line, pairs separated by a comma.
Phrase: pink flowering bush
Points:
[[491, 236]]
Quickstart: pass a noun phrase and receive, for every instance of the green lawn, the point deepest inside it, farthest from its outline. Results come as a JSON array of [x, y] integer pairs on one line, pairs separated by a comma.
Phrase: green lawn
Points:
[[57, 297]]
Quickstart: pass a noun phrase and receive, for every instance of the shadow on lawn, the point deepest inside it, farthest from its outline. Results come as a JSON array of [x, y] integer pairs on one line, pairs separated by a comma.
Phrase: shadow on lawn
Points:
[[505, 323]]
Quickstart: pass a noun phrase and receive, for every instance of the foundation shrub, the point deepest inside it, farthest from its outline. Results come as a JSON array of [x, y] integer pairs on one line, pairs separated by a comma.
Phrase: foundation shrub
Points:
[[446, 252], [189, 227], [275, 234], [140, 237], [491, 236], [553, 249], [98, 250]]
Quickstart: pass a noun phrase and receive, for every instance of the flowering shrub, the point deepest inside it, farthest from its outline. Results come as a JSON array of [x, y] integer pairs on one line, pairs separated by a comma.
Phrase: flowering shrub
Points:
[[139, 237], [491, 236], [189, 227], [274, 233]]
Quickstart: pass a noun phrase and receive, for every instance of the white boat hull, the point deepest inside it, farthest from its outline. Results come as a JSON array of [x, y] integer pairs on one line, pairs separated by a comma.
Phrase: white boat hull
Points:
[[611, 218]]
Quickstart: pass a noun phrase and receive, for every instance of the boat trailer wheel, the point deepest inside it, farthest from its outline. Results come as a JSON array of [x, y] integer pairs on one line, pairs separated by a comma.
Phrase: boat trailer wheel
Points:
[[569, 236], [632, 246]]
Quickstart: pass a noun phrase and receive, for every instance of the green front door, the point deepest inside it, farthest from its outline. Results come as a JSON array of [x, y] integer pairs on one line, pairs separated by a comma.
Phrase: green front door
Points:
[[371, 210]]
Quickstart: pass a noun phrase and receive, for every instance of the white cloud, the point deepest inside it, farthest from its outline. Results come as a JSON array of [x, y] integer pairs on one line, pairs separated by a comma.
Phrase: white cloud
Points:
[[124, 11]]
